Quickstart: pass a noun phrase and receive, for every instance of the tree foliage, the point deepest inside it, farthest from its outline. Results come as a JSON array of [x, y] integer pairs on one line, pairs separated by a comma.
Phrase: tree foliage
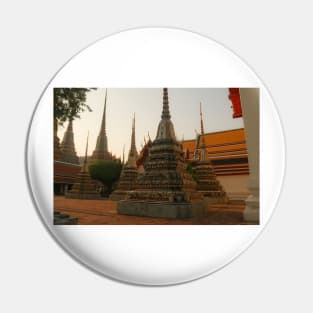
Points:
[[69, 103], [106, 171]]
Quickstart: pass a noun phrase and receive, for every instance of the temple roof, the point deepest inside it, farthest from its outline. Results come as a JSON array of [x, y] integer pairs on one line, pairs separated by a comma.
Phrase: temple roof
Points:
[[226, 149]]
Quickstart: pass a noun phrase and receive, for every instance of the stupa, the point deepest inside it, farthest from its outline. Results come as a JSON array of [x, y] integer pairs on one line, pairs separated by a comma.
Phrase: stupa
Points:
[[207, 183], [163, 190], [83, 187], [101, 151], [68, 152], [127, 181]]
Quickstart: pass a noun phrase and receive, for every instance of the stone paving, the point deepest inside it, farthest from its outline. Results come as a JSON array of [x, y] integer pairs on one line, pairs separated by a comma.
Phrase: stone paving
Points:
[[103, 212]]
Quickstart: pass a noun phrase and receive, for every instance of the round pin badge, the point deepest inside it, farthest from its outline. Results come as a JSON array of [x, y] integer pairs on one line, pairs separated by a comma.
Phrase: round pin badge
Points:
[[155, 156]]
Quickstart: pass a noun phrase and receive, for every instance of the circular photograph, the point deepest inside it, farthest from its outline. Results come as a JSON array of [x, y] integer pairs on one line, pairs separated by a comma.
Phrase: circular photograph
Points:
[[155, 156]]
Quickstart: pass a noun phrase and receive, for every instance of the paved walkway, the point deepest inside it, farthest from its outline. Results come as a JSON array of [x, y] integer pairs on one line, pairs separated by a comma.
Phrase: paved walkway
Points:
[[103, 212]]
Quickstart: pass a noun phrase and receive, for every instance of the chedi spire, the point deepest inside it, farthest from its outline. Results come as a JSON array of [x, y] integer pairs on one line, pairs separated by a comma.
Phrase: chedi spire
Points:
[[101, 151], [166, 110], [67, 146], [133, 154]]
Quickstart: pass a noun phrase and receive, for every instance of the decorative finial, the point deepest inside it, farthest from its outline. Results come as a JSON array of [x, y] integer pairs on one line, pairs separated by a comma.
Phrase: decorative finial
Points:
[[103, 125], [201, 120], [166, 111], [202, 128], [133, 149]]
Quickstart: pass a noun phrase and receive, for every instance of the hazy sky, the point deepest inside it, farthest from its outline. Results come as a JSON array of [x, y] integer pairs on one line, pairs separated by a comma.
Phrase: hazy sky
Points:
[[147, 105]]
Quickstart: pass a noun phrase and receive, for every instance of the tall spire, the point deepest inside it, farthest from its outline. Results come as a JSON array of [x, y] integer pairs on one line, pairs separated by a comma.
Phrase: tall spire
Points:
[[67, 146], [203, 152], [202, 128], [166, 111], [133, 150], [201, 120], [102, 142], [84, 168], [133, 137], [123, 154], [101, 151], [103, 124], [166, 127]]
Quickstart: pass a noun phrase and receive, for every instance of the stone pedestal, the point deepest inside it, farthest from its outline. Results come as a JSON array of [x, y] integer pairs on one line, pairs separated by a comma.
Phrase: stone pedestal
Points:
[[155, 209]]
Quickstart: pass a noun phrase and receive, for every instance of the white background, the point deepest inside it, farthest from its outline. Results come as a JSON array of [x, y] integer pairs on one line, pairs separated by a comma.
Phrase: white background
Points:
[[274, 39]]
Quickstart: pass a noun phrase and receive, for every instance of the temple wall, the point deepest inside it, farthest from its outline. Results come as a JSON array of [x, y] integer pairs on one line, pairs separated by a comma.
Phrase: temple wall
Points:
[[236, 186]]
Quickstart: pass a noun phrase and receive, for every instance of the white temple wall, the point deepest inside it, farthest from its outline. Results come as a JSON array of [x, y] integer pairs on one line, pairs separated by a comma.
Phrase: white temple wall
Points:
[[236, 186]]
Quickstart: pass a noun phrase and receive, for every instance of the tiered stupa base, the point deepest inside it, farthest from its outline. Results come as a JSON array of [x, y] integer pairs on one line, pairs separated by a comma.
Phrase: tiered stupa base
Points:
[[126, 183], [208, 185], [83, 188]]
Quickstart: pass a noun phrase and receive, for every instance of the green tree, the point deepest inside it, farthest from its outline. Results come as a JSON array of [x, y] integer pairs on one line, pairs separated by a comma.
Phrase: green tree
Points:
[[69, 103], [106, 171]]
